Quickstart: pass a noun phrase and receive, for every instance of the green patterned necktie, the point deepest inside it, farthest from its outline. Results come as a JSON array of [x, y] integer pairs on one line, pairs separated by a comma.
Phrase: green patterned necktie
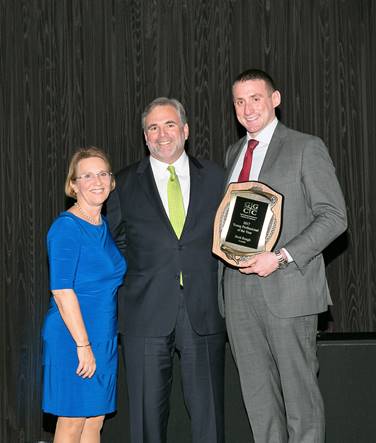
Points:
[[175, 202]]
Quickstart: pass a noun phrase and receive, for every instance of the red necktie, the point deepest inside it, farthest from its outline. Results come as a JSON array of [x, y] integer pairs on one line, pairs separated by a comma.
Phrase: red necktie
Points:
[[247, 163]]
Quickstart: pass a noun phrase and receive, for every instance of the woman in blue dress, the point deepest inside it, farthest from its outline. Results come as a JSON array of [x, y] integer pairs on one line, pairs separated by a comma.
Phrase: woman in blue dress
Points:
[[80, 330]]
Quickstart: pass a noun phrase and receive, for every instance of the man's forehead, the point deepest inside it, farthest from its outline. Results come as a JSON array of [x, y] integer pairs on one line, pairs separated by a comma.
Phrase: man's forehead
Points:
[[254, 87], [163, 114]]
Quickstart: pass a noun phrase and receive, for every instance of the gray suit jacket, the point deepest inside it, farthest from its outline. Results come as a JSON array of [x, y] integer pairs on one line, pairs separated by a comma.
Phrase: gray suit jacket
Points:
[[298, 166]]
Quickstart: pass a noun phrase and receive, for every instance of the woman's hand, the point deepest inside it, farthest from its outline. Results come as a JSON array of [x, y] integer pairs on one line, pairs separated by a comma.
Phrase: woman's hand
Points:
[[70, 312], [86, 362]]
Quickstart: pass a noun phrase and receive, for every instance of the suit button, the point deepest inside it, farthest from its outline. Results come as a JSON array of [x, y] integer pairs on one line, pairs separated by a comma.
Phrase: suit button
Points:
[[180, 247]]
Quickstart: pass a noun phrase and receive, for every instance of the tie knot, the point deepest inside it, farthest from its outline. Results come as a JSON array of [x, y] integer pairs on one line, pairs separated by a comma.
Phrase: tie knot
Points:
[[171, 170], [252, 143]]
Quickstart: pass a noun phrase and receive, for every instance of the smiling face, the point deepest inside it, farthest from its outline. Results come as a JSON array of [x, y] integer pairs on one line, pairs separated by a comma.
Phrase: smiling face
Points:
[[165, 134], [255, 104], [90, 187]]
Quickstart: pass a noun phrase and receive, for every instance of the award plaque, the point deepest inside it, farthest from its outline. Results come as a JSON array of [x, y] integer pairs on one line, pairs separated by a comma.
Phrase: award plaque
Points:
[[247, 222]]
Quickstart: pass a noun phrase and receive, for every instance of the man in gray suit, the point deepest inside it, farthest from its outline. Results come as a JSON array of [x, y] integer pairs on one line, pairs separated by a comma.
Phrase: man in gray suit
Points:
[[271, 303]]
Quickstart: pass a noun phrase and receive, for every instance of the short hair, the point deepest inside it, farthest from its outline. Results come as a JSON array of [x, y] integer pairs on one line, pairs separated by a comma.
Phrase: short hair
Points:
[[256, 74], [81, 154], [165, 101]]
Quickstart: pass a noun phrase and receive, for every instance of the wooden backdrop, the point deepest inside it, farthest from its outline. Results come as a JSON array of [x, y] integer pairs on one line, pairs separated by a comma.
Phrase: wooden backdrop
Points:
[[79, 72]]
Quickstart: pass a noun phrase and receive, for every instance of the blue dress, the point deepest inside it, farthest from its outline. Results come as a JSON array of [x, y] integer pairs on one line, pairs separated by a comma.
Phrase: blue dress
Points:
[[82, 257]]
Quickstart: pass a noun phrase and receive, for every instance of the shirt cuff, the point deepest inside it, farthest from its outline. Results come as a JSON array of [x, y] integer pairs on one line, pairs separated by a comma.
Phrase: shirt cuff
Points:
[[289, 258]]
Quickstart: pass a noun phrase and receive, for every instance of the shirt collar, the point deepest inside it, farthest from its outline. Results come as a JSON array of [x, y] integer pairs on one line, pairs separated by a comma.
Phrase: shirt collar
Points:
[[180, 165], [266, 134]]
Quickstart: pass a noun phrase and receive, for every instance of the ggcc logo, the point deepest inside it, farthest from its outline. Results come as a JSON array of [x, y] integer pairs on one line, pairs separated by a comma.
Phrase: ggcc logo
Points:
[[250, 208]]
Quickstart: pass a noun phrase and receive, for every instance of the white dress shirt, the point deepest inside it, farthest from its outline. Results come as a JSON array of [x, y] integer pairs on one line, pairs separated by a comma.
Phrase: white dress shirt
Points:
[[259, 153], [162, 175]]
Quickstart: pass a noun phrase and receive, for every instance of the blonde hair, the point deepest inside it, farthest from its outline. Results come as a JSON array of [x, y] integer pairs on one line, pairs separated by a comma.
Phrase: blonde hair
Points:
[[81, 154]]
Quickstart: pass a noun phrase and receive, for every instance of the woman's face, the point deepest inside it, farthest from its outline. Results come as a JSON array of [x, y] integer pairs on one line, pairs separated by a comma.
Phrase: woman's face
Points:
[[93, 183]]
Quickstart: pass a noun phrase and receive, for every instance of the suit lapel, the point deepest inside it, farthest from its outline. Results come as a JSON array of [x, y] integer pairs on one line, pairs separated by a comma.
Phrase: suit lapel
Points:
[[195, 173], [233, 159], [272, 153], [147, 184]]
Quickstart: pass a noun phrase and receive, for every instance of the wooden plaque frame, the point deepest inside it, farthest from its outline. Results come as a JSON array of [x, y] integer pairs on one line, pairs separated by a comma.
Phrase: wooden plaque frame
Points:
[[247, 222]]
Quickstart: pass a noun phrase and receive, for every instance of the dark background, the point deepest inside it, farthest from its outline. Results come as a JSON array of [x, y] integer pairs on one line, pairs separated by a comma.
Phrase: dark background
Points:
[[79, 72]]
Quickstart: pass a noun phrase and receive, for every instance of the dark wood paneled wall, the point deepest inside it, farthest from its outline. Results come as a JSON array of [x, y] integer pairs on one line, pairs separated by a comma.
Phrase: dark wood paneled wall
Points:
[[79, 72]]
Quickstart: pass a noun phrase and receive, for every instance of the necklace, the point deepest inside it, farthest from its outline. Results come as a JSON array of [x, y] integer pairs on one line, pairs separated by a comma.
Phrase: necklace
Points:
[[87, 216]]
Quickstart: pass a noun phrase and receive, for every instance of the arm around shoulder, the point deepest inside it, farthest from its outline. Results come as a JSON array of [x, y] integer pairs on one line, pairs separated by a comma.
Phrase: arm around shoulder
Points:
[[115, 218]]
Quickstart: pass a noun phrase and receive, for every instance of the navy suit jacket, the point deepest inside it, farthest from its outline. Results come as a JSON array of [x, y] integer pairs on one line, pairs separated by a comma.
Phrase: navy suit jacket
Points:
[[149, 299]]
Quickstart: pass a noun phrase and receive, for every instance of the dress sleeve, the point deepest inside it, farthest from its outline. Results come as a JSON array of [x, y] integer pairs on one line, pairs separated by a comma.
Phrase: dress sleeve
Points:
[[64, 246]]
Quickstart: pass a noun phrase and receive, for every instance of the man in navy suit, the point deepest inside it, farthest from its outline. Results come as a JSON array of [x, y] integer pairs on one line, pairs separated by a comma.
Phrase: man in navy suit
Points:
[[168, 302]]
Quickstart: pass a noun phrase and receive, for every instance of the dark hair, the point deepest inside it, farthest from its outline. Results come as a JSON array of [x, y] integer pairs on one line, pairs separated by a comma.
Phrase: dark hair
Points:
[[164, 101], [256, 74]]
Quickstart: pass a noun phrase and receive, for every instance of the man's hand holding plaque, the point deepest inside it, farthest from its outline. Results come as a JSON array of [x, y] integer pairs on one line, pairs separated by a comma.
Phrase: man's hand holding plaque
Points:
[[247, 223]]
